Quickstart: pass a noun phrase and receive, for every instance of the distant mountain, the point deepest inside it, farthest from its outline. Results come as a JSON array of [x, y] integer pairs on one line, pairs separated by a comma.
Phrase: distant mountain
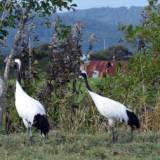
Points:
[[104, 23], [101, 21]]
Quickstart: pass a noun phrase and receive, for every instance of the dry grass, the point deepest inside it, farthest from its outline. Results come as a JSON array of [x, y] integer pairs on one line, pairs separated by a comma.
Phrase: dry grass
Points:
[[151, 118]]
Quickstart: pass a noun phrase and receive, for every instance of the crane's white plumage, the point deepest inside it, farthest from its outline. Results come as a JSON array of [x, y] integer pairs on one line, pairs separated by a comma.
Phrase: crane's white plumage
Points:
[[30, 110], [111, 109], [27, 107]]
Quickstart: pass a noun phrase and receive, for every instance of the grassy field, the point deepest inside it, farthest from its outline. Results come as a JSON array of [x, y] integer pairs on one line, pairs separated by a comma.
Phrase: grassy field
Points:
[[80, 147]]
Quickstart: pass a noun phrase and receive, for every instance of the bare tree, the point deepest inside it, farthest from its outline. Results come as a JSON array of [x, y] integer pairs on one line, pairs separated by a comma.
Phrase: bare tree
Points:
[[64, 63]]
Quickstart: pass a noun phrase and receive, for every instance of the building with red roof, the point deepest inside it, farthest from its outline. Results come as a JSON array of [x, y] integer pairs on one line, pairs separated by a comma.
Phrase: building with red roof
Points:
[[98, 68]]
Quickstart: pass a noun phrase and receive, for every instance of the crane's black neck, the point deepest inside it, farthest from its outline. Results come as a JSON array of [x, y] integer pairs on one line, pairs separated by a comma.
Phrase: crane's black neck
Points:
[[18, 76], [86, 83]]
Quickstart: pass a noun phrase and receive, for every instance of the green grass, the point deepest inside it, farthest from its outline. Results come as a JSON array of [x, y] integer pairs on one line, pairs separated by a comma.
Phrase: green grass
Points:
[[80, 147]]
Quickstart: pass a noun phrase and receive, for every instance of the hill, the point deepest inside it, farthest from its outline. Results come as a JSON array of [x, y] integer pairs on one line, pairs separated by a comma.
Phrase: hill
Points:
[[104, 23], [101, 21]]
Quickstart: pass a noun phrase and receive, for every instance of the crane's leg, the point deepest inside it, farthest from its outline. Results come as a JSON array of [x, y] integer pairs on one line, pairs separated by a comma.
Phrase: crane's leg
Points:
[[112, 126], [131, 138], [30, 135], [29, 131], [113, 135], [46, 136]]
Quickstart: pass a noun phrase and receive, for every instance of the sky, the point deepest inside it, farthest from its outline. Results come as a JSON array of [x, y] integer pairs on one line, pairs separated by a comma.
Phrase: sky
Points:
[[85, 4]]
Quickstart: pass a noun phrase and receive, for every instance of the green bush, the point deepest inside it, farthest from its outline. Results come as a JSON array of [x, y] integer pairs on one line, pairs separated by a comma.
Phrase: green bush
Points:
[[136, 86]]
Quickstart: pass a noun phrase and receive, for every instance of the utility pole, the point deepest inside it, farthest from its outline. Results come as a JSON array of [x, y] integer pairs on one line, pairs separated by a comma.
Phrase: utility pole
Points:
[[104, 43]]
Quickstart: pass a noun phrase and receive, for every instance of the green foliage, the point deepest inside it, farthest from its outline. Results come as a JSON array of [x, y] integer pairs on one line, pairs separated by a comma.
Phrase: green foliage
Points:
[[136, 86], [12, 11], [120, 52], [139, 84], [41, 52], [15, 121], [63, 31], [131, 32], [149, 30]]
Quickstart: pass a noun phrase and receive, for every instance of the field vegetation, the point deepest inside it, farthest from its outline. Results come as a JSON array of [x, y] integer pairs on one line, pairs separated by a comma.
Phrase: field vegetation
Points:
[[80, 146], [136, 85], [51, 75]]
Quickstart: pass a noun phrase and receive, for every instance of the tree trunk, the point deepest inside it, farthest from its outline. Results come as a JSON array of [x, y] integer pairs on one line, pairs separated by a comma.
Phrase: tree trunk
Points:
[[17, 40], [7, 67], [1, 100], [4, 12], [14, 51]]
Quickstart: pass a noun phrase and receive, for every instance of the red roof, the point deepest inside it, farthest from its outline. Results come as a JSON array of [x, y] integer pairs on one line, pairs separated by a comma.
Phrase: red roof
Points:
[[103, 67]]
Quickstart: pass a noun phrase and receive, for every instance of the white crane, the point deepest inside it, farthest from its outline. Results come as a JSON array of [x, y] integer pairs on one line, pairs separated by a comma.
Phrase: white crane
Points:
[[112, 110], [30, 110]]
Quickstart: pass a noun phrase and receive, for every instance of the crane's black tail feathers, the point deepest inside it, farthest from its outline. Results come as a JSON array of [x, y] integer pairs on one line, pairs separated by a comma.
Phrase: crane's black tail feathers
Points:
[[133, 120], [41, 123]]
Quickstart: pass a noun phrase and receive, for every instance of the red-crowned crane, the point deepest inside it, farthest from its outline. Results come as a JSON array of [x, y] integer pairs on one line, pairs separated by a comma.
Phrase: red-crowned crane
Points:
[[30, 110], [112, 110]]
